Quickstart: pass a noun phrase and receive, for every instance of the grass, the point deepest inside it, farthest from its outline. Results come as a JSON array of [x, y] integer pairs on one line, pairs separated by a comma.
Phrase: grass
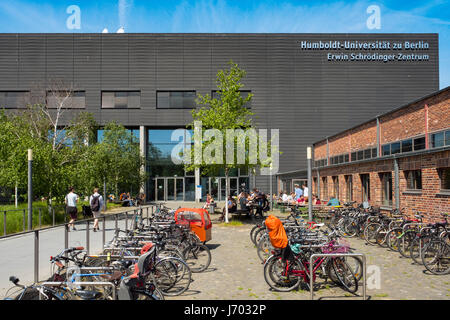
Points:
[[381, 295], [232, 223], [15, 216]]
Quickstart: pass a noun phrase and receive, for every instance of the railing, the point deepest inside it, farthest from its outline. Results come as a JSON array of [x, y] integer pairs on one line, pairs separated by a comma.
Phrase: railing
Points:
[[51, 210], [335, 255], [124, 215]]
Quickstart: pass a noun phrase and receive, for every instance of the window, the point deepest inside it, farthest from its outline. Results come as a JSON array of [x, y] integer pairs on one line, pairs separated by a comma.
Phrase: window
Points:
[[14, 99], [413, 179], [444, 174], [135, 134], [314, 191], [175, 100], [374, 153], [360, 155], [121, 99], [66, 99], [440, 139], [386, 150], [244, 94], [386, 188], [367, 154], [365, 182], [419, 143], [349, 187], [354, 157], [395, 147], [407, 145], [336, 187]]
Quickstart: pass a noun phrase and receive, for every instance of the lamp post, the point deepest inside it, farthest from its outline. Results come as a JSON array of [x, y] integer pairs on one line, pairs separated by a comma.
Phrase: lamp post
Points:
[[309, 158], [30, 190]]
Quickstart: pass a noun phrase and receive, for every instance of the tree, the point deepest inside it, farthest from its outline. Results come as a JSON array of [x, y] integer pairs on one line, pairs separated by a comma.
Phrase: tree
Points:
[[116, 160], [227, 137]]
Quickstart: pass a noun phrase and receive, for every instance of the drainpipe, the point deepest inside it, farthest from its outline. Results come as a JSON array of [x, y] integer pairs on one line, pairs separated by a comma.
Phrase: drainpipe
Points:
[[378, 138], [396, 184]]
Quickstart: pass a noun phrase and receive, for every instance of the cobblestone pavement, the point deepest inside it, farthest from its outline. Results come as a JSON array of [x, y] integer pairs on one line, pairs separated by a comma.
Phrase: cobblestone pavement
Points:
[[236, 273]]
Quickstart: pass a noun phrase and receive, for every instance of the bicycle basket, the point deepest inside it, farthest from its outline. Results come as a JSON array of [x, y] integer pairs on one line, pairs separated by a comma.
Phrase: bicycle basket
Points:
[[335, 247]]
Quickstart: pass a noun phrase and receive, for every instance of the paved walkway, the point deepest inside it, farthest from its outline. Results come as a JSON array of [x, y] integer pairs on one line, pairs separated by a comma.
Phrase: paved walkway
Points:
[[236, 273]]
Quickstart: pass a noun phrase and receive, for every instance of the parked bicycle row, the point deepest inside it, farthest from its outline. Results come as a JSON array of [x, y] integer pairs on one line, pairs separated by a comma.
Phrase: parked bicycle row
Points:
[[286, 246], [155, 259], [427, 244]]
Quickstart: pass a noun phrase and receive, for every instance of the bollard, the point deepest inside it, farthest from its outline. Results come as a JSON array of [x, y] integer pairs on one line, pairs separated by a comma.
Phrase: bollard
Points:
[[66, 239], [53, 216], [87, 236], [36, 256], [4, 223], [40, 217], [126, 220], [24, 220], [103, 232], [116, 225]]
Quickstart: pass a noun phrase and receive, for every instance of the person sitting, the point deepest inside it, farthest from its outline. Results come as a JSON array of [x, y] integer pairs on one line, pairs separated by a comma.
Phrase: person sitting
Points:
[[232, 207], [291, 199], [243, 201], [208, 202], [333, 202], [301, 200], [284, 197], [315, 200]]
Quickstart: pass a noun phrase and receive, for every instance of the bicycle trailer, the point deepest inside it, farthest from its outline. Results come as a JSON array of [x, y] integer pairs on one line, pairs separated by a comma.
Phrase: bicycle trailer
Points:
[[198, 220]]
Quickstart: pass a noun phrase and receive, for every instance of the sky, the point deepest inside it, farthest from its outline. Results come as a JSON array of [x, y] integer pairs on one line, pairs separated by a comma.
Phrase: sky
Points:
[[237, 16]]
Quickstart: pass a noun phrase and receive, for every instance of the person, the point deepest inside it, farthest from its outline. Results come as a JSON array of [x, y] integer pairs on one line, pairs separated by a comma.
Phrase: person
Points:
[[305, 192], [232, 207], [208, 202], [315, 200], [71, 203], [243, 201], [96, 203], [298, 192], [333, 202], [284, 197]]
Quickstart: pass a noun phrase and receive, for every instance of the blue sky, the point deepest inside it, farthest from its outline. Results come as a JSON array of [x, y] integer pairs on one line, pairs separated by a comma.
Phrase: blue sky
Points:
[[413, 16]]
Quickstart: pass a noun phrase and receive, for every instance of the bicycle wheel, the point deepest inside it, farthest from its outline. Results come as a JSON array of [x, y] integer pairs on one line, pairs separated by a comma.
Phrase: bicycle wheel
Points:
[[405, 243], [171, 276], [345, 275], [370, 233], [436, 257], [282, 276], [417, 245], [381, 236], [197, 257], [252, 233], [393, 238], [351, 228], [356, 265], [264, 248], [260, 233]]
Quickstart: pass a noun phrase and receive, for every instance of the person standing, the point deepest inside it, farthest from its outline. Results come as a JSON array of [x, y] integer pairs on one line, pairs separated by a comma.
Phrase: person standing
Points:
[[305, 192], [71, 204], [96, 203], [298, 192]]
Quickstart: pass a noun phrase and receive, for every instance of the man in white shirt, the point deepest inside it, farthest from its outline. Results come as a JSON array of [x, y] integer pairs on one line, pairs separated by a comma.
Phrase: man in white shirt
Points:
[[71, 203], [96, 204], [284, 198]]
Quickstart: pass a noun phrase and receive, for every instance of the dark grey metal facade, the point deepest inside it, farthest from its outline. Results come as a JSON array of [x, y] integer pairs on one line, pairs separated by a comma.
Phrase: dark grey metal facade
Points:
[[297, 91]]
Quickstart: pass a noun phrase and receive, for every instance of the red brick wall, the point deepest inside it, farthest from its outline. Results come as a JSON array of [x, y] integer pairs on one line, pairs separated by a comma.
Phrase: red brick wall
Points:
[[429, 201], [320, 150], [439, 112], [364, 136], [339, 144], [405, 123]]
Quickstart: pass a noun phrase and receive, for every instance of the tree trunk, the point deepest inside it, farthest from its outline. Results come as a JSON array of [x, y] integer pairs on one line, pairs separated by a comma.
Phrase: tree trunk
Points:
[[226, 195]]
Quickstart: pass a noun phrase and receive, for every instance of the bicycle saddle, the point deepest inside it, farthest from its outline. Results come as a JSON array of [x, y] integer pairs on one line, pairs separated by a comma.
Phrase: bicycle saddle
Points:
[[88, 294]]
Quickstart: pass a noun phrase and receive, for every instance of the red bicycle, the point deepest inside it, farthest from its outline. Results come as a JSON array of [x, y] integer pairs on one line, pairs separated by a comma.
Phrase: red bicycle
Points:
[[287, 274]]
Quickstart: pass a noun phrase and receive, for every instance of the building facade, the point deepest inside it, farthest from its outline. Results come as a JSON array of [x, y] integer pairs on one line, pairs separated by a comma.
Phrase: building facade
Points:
[[305, 85], [400, 159]]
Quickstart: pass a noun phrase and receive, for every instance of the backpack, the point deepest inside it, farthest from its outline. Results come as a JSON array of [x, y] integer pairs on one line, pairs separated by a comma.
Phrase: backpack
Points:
[[95, 203]]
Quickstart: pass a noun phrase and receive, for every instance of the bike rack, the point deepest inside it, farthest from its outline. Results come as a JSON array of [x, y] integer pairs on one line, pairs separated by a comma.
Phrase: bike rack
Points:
[[315, 255], [82, 283]]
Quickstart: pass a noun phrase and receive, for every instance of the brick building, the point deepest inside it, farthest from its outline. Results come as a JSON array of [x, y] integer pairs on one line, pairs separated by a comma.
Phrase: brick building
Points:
[[400, 159]]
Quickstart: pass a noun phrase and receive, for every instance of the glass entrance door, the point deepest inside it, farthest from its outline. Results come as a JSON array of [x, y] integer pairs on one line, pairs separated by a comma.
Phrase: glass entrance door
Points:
[[179, 189], [160, 189], [170, 189]]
